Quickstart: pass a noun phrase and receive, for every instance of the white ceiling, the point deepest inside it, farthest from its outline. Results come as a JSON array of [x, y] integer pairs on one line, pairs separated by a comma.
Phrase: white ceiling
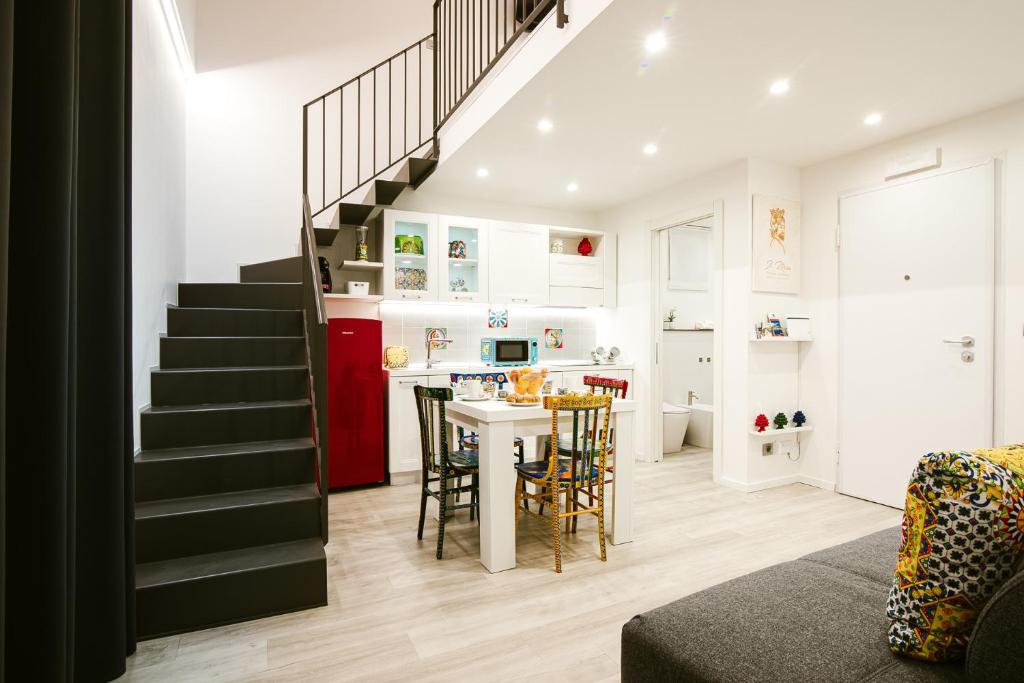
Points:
[[704, 100]]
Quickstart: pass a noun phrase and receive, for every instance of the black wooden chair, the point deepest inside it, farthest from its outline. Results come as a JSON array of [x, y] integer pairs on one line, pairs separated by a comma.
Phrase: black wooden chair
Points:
[[445, 465]]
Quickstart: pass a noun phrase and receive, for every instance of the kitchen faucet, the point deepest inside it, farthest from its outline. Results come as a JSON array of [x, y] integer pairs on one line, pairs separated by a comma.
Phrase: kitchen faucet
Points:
[[432, 344], [691, 396]]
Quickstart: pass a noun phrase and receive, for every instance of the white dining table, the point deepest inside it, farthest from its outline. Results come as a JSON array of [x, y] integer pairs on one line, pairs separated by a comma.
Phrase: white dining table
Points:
[[497, 423]]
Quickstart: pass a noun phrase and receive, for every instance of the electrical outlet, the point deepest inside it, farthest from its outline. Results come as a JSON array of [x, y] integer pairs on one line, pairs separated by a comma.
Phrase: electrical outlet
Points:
[[789, 449], [767, 448]]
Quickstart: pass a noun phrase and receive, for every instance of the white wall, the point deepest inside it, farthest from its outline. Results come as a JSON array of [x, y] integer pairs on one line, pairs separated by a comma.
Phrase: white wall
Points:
[[158, 189], [998, 133], [257, 63], [633, 321]]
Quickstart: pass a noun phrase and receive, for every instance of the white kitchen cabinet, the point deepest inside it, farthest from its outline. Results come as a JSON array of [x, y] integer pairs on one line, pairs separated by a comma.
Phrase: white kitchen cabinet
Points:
[[573, 270], [403, 424], [518, 263], [410, 246], [462, 259]]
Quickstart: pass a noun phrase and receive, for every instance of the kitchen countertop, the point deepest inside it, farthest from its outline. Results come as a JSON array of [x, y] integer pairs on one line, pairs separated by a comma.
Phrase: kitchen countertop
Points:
[[420, 370]]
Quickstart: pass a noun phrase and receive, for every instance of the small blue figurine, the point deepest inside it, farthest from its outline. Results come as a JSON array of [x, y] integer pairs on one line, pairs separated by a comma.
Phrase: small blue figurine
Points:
[[799, 418]]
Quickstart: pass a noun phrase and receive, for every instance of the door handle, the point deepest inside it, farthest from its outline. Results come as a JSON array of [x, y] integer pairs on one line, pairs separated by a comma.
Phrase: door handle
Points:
[[965, 341]]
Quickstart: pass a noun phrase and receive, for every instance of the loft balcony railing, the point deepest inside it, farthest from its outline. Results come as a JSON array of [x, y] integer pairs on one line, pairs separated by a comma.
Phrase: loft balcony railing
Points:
[[366, 126]]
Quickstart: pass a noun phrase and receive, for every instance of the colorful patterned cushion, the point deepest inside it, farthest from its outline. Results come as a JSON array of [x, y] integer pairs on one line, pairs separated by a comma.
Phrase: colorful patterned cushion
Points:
[[539, 470], [463, 459], [963, 537]]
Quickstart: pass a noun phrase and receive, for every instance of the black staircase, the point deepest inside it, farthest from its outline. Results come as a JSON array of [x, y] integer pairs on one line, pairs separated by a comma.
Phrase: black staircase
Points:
[[231, 501], [228, 514], [394, 111]]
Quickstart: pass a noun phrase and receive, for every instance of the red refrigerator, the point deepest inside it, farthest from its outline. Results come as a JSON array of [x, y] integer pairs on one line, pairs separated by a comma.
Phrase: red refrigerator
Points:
[[355, 402]]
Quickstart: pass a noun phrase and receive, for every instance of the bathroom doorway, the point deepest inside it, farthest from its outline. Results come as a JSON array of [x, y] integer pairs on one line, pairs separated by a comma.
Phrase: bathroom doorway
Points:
[[686, 312]]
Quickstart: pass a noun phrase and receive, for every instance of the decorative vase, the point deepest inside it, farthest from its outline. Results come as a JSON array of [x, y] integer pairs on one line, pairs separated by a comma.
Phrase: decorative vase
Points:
[[457, 249], [585, 247], [362, 249]]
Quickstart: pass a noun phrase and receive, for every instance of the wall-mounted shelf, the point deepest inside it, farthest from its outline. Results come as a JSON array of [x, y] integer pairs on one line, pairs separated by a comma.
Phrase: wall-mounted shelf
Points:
[[687, 329], [780, 340], [360, 298], [780, 432], [415, 257], [361, 265]]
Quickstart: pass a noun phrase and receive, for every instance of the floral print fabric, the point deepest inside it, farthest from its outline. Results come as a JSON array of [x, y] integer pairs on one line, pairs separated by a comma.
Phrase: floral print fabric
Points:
[[963, 537]]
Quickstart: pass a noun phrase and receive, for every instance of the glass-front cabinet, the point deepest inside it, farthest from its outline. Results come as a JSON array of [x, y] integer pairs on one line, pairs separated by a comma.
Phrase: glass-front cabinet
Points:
[[462, 259], [410, 262]]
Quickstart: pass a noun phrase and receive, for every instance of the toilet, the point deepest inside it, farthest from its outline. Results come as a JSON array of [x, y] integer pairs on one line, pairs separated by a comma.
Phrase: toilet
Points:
[[675, 419]]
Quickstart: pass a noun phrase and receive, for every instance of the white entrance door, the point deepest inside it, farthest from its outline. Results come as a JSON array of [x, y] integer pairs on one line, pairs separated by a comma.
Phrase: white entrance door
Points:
[[916, 285]]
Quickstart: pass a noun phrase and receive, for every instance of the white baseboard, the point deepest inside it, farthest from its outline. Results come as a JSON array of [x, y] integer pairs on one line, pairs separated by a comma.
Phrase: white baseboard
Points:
[[751, 487], [820, 483]]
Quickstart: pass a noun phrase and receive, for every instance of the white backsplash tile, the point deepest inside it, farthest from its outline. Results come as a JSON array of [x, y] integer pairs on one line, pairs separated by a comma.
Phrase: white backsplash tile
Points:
[[405, 324]]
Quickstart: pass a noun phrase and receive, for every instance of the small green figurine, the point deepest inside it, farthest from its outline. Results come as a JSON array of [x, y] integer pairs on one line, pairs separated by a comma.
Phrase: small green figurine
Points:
[[799, 419], [781, 421]]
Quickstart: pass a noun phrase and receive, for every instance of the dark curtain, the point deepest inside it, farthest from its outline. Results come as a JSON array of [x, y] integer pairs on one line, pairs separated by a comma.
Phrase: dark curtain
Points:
[[68, 592]]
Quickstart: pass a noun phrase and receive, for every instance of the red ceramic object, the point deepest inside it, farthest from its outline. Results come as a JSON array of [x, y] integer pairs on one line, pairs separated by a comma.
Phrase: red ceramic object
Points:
[[585, 247], [761, 422]]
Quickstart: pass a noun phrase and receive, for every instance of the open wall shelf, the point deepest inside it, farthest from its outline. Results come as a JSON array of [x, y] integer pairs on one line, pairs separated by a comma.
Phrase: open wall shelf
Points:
[[769, 432]]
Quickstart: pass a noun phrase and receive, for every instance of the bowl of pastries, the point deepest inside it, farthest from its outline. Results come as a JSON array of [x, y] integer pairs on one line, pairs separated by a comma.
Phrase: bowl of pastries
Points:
[[527, 383], [523, 399]]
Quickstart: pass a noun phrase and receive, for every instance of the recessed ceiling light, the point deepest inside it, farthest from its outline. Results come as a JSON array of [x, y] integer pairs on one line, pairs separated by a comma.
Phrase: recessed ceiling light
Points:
[[779, 87], [545, 125], [482, 172], [873, 119], [572, 187], [655, 42], [650, 148]]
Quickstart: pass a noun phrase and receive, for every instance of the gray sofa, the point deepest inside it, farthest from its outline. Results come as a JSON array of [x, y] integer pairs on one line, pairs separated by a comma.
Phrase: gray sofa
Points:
[[818, 618]]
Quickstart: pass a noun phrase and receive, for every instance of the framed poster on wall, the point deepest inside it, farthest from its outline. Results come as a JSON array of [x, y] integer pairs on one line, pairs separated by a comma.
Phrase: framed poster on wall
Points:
[[775, 263]]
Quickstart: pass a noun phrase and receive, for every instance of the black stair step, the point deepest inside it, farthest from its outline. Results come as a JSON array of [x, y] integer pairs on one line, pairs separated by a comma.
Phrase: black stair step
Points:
[[196, 525], [230, 352], [275, 295], [325, 236], [210, 424], [195, 386], [281, 270], [415, 170], [232, 322], [384, 192], [191, 593], [206, 470], [349, 213]]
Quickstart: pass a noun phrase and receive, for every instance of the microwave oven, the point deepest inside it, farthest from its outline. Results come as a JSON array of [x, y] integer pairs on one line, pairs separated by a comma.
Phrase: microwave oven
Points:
[[508, 350]]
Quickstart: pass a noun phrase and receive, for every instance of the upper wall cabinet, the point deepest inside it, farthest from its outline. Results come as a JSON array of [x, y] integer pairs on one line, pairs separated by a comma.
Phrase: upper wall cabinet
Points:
[[462, 259], [411, 251], [518, 263]]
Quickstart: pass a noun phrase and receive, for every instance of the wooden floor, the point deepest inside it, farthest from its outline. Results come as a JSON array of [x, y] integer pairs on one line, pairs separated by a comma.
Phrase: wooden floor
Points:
[[397, 614]]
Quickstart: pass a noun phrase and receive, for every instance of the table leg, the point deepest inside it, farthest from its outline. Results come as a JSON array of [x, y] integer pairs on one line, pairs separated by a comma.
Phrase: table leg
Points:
[[625, 456], [497, 497]]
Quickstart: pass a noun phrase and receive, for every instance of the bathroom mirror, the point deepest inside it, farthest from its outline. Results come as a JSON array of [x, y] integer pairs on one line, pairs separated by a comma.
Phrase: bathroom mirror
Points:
[[689, 257]]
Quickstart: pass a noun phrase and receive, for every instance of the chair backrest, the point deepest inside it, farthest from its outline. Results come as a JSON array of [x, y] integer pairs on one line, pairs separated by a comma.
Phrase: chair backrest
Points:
[[500, 377], [606, 385], [590, 413], [433, 426]]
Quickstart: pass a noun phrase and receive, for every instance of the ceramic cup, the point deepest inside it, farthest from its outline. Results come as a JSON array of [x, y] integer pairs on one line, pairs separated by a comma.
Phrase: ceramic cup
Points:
[[474, 388]]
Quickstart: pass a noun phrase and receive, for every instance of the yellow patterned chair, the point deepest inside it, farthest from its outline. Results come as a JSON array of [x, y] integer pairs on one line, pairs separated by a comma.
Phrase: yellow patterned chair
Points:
[[583, 468]]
